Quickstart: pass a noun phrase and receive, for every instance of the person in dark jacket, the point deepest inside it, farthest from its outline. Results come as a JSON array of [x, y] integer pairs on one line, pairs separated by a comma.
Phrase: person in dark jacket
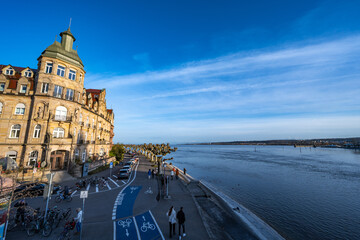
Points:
[[181, 220], [20, 212]]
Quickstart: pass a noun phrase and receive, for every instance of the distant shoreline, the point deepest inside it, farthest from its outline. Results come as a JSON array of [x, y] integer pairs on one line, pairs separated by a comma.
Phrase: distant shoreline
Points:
[[350, 143]]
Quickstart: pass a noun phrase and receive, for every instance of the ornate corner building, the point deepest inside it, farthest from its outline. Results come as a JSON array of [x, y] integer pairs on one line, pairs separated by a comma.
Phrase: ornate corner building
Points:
[[47, 117]]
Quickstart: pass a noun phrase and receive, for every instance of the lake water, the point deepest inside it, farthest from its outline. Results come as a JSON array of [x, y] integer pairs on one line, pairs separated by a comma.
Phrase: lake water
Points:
[[304, 193]]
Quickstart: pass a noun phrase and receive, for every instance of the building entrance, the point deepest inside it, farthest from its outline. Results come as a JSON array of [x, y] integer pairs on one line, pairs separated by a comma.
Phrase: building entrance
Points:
[[59, 159]]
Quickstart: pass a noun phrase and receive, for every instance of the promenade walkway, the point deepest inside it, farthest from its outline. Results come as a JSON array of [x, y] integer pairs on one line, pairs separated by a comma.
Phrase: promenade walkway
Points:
[[129, 209]]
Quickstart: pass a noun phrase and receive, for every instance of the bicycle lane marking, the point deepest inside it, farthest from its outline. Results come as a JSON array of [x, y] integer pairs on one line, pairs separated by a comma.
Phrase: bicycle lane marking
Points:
[[148, 227], [126, 202], [120, 195], [126, 229]]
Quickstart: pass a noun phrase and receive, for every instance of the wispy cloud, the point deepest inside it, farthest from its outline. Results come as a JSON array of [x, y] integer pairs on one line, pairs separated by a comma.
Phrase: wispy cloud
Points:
[[247, 92], [322, 54]]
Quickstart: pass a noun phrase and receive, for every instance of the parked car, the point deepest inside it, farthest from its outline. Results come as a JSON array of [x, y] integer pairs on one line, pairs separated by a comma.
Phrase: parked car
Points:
[[128, 168], [123, 174], [128, 164]]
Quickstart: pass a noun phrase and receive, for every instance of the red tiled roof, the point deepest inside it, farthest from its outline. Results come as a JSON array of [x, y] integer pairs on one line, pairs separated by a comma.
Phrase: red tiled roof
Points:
[[109, 110], [17, 69], [13, 84], [98, 91]]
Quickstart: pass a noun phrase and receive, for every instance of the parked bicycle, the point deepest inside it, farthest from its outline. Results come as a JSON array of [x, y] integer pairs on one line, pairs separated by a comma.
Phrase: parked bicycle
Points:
[[39, 225], [65, 234]]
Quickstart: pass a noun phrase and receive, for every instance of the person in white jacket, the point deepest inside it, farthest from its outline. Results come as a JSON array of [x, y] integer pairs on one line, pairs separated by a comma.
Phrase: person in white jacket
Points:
[[78, 220], [172, 220]]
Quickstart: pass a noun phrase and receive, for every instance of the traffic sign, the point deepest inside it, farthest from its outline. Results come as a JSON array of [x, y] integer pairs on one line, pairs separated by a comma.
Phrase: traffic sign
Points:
[[83, 194], [111, 164]]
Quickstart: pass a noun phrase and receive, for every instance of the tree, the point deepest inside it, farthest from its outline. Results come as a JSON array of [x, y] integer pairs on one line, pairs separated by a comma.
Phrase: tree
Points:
[[118, 151]]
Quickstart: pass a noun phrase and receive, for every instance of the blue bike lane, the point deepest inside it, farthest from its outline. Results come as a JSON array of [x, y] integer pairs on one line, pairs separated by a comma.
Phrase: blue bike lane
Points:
[[129, 227]]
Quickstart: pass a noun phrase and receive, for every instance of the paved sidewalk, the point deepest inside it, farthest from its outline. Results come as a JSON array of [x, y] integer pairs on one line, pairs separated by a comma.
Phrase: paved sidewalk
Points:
[[180, 197]]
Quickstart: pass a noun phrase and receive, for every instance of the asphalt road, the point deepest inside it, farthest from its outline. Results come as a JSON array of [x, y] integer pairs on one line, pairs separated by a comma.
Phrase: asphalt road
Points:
[[106, 211]]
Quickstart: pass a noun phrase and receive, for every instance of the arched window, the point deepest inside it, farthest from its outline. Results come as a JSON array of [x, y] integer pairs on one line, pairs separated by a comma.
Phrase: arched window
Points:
[[87, 120], [102, 151], [37, 130], [61, 113], [58, 133], [80, 118], [15, 131], [33, 158], [74, 133], [93, 123], [20, 109], [1, 107]]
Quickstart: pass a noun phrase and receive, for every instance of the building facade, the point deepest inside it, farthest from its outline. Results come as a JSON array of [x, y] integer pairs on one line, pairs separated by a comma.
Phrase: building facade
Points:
[[47, 117]]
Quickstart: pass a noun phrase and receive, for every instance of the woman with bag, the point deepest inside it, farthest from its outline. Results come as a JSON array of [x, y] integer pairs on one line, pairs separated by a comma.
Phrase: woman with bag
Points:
[[172, 220]]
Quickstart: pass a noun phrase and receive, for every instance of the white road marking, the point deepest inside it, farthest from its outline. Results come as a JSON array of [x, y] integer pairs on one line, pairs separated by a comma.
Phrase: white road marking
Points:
[[137, 229], [114, 230], [108, 185], [157, 225], [114, 176], [97, 188], [114, 182], [88, 187], [73, 193], [123, 181]]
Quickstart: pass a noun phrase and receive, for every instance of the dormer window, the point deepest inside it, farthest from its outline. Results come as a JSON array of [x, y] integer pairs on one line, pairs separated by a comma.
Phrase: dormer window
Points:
[[49, 67], [9, 71], [61, 71], [72, 74], [28, 73]]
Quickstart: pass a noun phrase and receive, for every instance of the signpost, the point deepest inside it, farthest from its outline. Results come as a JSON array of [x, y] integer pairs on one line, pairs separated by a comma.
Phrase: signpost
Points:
[[83, 195], [50, 177], [111, 166]]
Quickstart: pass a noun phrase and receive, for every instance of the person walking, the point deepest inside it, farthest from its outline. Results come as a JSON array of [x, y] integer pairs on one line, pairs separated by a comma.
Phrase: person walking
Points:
[[172, 175], [149, 173], [78, 220], [153, 173], [184, 171], [172, 220], [177, 174], [181, 221]]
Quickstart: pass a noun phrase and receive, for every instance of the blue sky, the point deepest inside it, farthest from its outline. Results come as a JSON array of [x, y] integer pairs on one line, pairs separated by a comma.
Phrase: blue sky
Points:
[[199, 71]]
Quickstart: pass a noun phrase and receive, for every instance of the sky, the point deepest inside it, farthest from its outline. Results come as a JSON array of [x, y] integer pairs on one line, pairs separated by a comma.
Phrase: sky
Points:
[[184, 71]]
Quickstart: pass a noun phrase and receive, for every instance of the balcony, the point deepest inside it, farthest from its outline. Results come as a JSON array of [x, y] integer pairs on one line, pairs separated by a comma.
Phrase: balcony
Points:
[[60, 140], [62, 118]]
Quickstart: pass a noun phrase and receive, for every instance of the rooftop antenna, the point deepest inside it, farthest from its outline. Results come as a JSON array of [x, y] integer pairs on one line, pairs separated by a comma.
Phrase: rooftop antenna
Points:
[[70, 23]]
